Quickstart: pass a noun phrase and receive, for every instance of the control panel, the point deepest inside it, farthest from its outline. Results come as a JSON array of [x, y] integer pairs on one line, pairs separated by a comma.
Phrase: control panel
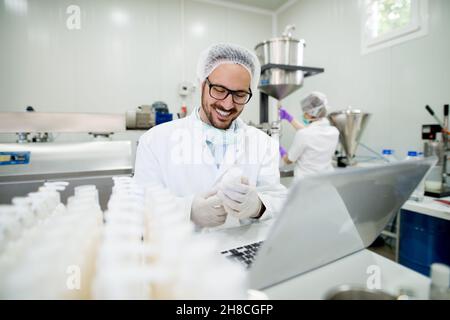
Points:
[[14, 158]]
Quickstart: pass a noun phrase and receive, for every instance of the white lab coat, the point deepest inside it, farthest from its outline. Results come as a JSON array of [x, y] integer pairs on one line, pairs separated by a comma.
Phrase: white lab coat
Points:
[[313, 148], [175, 156]]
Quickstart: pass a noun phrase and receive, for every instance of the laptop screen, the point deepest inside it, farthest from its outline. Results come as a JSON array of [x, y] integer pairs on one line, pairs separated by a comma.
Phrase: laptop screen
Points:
[[327, 217]]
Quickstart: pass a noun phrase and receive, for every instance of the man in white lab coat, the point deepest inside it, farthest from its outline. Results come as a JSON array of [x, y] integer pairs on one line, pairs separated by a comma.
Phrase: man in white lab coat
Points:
[[224, 172], [315, 140]]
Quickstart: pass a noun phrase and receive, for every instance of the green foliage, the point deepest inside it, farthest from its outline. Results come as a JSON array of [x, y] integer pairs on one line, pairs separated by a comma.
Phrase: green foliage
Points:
[[394, 14]]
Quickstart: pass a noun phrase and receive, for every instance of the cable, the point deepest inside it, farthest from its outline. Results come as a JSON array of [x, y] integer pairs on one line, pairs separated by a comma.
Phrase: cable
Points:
[[374, 152]]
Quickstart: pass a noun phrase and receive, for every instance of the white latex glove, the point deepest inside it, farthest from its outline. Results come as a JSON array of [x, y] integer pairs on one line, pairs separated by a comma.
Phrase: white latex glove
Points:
[[240, 199], [207, 210]]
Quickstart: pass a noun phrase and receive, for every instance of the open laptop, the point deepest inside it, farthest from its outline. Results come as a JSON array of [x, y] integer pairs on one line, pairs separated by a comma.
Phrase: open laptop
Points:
[[327, 217]]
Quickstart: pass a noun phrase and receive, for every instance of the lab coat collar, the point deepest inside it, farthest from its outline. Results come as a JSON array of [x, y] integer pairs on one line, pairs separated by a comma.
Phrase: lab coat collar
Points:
[[320, 123]]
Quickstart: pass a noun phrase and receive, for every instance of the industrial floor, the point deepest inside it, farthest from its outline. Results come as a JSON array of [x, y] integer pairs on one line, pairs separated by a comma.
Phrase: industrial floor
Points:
[[385, 251]]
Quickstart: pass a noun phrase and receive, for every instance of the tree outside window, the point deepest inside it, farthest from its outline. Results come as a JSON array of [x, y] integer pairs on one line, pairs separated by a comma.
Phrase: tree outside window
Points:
[[388, 15], [392, 20]]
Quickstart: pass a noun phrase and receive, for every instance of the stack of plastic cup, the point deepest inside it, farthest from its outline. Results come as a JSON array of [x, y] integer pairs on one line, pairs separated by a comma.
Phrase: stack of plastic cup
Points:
[[52, 257], [121, 271]]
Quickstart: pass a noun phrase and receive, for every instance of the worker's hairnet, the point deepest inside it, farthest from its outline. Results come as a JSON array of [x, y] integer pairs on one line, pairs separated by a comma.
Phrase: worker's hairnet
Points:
[[315, 104], [221, 53]]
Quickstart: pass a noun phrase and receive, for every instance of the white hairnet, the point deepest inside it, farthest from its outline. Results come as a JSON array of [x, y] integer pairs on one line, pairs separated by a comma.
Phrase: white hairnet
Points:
[[221, 53], [315, 104]]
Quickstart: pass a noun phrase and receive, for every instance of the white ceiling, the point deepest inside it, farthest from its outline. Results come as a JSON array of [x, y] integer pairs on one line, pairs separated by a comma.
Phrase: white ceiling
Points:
[[271, 5]]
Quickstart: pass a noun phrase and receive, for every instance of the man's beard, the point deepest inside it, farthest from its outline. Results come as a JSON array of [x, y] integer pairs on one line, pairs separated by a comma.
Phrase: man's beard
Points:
[[234, 113]]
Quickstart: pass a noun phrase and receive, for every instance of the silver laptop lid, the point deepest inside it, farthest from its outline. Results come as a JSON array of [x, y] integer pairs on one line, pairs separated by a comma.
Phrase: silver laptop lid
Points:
[[327, 217]]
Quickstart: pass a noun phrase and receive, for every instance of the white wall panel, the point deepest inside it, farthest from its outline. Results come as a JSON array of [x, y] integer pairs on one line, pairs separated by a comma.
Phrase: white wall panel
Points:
[[127, 53], [394, 83]]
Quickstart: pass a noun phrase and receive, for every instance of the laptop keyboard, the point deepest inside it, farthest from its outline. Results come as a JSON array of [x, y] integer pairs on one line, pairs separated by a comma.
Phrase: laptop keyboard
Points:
[[244, 254]]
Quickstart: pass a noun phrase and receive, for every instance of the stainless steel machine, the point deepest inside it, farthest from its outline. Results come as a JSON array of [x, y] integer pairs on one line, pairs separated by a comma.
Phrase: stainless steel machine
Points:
[[147, 116], [280, 58], [27, 165], [436, 144], [351, 124], [282, 72]]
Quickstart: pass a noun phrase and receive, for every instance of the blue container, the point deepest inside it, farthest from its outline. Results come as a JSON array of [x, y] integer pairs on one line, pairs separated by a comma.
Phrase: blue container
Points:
[[163, 117], [424, 240]]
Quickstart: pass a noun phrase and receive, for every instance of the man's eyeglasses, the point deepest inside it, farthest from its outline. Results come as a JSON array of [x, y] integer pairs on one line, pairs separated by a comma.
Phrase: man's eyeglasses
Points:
[[219, 92]]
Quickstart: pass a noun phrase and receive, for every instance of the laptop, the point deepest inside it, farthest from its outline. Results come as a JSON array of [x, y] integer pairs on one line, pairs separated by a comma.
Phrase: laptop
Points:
[[327, 217]]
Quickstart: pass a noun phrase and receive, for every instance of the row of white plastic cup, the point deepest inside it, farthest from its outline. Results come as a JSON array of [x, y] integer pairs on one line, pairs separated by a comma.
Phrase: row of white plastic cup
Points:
[[26, 212], [121, 271], [60, 240], [19, 226]]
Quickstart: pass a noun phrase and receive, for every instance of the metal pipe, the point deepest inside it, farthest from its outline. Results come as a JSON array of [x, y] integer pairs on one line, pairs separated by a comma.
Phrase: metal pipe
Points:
[[374, 152], [431, 112], [263, 108], [445, 138]]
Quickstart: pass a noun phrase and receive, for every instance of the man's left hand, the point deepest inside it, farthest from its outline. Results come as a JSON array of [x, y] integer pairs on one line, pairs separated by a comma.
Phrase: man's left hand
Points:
[[240, 199]]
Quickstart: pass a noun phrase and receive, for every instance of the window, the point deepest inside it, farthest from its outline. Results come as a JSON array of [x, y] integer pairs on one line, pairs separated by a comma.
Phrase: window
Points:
[[390, 22]]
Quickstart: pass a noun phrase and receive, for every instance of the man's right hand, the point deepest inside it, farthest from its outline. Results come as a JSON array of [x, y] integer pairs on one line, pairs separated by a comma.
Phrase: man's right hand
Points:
[[207, 210]]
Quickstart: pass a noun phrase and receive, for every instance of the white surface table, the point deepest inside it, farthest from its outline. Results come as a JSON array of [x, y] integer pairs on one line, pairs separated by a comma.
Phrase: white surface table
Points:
[[355, 269], [429, 207]]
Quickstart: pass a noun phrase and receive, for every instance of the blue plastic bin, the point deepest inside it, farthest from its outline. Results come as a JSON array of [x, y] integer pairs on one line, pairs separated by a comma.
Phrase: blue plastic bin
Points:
[[424, 240], [163, 117]]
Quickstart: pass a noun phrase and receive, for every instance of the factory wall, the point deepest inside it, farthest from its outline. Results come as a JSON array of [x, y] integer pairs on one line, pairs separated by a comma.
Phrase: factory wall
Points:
[[394, 84], [124, 53]]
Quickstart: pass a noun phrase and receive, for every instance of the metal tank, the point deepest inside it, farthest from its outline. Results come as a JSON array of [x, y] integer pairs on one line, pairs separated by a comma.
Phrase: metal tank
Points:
[[283, 51]]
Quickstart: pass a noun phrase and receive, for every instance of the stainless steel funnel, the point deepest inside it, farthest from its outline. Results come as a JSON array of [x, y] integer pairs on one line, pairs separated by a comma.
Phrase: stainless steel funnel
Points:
[[279, 83], [351, 124]]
